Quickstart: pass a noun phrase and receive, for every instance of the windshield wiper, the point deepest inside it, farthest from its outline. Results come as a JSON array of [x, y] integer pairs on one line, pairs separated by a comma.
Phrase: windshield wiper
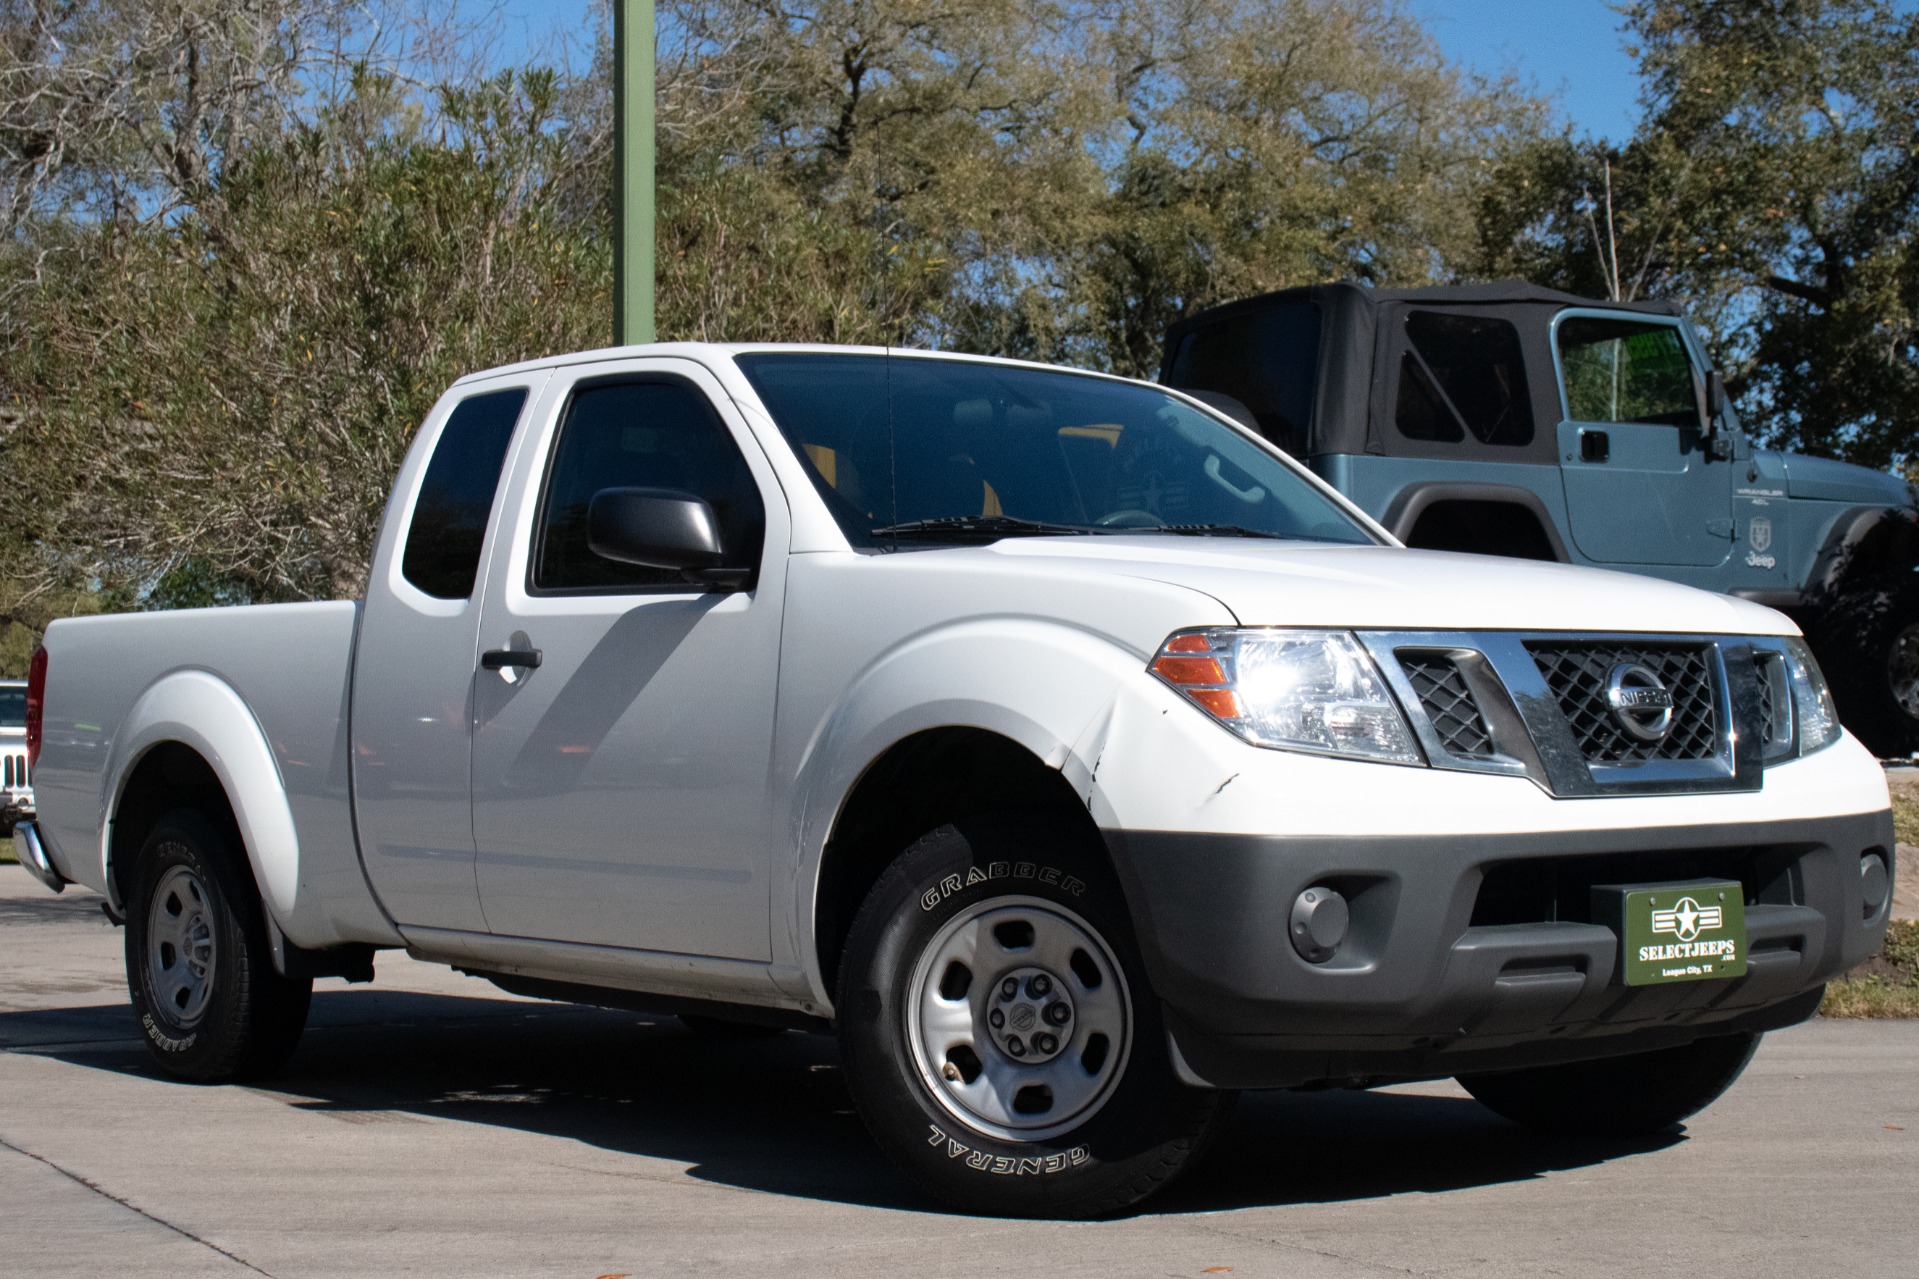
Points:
[[979, 526], [1209, 530]]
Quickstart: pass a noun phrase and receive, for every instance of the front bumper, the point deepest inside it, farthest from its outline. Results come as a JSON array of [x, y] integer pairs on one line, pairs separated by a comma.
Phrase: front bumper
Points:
[[1470, 953]]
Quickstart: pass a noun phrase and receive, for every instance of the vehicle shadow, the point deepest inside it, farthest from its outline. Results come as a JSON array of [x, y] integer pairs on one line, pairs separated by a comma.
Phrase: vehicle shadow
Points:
[[773, 1113]]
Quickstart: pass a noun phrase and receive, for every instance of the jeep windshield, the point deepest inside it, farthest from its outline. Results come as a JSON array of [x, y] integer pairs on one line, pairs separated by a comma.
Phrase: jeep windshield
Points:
[[923, 449]]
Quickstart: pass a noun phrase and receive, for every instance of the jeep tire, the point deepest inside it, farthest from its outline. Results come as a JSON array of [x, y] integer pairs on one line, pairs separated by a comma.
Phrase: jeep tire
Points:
[[1629, 1096], [199, 969], [998, 1032], [1867, 643]]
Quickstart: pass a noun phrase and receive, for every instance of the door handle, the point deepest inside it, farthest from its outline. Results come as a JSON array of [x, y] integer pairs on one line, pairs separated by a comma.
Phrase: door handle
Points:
[[501, 658], [1594, 446]]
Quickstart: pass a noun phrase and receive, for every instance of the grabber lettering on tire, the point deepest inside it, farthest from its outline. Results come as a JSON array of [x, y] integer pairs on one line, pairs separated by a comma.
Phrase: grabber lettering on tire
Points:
[[1000, 1035]]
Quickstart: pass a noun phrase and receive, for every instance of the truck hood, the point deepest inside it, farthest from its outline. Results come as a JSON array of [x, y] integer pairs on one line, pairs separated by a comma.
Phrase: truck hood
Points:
[[1822, 479], [1384, 587]]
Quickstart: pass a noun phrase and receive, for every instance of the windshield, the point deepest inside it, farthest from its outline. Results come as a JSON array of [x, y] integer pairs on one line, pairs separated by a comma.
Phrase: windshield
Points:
[[894, 443], [13, 706]]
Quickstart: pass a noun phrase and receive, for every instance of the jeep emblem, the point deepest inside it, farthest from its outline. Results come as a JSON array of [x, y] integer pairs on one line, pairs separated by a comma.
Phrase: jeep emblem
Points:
[[1641, 705]]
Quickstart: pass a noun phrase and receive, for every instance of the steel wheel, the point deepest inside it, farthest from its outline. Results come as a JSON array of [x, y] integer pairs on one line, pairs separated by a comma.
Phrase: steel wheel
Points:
[[1020, 1020], [1902, 670], [181, 955]]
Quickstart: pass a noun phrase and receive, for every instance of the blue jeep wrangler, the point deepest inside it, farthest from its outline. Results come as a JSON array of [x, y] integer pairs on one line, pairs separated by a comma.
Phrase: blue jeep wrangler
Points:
[[1509, 419]]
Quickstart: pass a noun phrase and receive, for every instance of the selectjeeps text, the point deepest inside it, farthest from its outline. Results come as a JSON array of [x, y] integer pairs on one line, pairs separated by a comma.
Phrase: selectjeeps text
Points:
[[1069, 750]]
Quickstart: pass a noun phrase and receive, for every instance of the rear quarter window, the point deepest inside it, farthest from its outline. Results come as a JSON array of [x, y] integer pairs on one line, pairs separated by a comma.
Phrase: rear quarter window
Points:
[[442, 554]]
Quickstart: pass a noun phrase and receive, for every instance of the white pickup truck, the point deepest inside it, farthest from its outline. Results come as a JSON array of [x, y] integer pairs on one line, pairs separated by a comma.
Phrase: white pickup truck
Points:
[[1073, 754]]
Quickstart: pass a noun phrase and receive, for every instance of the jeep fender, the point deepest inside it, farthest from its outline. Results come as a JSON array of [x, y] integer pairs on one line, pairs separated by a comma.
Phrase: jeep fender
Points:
[[202, 711], [1036, 683]]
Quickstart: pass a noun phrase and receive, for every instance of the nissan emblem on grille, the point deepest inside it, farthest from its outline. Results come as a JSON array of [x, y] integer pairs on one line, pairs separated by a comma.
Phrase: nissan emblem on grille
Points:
[[1641, 705]]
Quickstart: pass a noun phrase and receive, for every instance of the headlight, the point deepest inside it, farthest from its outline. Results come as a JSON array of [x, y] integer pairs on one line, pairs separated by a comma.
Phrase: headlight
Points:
[[1298, 690], [1815, 721]]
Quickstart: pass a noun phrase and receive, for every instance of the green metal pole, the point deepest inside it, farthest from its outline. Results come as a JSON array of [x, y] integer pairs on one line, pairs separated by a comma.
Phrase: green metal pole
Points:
[[633, 267]]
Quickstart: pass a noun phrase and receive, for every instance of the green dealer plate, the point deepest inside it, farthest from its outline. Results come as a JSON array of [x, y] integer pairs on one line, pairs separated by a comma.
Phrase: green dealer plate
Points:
[[1677, 932]]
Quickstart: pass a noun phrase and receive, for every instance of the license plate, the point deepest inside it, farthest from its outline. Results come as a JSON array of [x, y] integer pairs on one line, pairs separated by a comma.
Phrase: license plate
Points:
[[1677, 932]]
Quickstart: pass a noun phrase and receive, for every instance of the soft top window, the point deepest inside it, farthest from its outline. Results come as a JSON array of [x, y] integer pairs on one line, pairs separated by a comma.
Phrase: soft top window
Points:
[[894, 441], [1463, 374]]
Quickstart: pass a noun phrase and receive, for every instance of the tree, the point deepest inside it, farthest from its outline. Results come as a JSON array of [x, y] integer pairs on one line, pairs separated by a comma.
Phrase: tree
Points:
[[1772, 187]]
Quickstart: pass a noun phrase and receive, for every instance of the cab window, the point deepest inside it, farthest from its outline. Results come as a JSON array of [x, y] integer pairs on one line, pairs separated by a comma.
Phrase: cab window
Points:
[[442, 553], [657, 433]]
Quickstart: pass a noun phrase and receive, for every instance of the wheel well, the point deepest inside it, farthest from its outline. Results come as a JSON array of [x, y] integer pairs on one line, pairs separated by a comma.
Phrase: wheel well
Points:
[[1873, 546], [171, 775], [1483, 527], [921, 783]]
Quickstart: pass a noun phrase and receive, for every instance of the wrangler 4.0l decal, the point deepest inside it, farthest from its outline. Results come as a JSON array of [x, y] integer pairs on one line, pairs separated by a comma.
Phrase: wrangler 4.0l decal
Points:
[[1000, 870]]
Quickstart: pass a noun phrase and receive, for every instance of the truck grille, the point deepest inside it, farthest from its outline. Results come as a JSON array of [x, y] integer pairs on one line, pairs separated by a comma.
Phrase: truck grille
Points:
[[1442, 691], [13, 773], [1576, 672]]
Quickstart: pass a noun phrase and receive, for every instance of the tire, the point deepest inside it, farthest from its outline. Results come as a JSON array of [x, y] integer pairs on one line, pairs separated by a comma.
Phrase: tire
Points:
[[1867, 642], [725, 1028], [199, 968], [1630, 1096], [1071, 1127]]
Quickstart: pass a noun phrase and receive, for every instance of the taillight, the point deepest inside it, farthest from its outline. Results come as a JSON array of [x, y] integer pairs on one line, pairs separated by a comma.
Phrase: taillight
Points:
[[36, 704]]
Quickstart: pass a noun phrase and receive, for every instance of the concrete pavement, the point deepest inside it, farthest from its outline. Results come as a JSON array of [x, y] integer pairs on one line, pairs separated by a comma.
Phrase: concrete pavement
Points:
[[431, 1125]]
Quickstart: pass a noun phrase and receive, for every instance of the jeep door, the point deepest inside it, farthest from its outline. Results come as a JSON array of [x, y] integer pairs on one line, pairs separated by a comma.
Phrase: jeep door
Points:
[[1641, 485], [620, 792]]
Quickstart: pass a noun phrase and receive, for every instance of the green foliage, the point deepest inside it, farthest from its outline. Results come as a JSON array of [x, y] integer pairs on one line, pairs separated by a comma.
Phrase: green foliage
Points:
[[1773, 188]]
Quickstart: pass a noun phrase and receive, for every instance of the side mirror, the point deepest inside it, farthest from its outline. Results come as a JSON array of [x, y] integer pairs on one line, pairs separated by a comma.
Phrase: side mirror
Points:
[[661, 528], [1715, 397], [1718, 438]]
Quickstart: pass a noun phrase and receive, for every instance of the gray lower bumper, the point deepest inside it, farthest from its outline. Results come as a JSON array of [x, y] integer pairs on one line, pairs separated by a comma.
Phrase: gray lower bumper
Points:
[[33, 855], [1475, 953]]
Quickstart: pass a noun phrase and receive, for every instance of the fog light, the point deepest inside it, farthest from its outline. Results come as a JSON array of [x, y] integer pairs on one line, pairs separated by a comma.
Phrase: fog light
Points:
[[1319, 924], [1875, 883]]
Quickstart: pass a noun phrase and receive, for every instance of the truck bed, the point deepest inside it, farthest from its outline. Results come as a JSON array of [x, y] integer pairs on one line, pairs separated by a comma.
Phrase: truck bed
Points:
[[290, 664]]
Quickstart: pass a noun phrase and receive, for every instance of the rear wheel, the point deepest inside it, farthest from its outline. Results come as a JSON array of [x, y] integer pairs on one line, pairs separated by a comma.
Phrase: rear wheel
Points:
[[201, 976], [1626, 1096], [999, 1034]]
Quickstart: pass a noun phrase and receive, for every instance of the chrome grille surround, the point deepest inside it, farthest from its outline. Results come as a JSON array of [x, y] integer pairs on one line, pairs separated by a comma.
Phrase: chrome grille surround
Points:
[[1715, 744]]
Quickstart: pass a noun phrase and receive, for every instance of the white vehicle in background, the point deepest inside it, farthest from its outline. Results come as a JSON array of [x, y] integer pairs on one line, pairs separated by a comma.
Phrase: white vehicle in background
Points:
[[1064, 747], [16, 778]]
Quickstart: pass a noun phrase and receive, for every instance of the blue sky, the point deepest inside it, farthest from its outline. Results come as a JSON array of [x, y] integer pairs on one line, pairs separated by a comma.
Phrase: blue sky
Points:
[[1568, 48]]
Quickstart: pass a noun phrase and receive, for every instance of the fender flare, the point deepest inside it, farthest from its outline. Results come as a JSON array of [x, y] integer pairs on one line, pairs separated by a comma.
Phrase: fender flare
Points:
[[204, 713], [1847, 534], [968, 676], [1403, 512]]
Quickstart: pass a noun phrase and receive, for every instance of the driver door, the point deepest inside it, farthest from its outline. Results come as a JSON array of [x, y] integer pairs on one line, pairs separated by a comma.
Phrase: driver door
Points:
[[620, 786]]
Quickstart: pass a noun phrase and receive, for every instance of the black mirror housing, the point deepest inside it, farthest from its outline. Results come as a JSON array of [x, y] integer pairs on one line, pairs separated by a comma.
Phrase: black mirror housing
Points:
[[662, 528]]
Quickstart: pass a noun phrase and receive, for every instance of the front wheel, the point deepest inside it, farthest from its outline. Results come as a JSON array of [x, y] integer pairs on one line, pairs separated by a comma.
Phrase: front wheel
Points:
[[1867, 643], [211, 1006], [1629, 1096], [999, 1035]]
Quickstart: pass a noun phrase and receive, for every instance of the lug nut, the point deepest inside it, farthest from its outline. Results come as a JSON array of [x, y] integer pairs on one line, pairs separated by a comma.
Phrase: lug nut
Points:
[[1045, 1043], [996, 1017], [1014, 1046], [1038, 985], [1058, 1014], [1009, 988]]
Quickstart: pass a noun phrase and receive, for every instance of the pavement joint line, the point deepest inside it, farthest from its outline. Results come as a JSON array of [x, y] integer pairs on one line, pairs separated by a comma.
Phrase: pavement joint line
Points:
[[104, 1193], [1201, 1221]]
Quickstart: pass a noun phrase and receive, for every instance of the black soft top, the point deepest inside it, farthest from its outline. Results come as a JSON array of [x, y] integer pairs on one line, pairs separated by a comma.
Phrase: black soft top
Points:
[[1349, 396]]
